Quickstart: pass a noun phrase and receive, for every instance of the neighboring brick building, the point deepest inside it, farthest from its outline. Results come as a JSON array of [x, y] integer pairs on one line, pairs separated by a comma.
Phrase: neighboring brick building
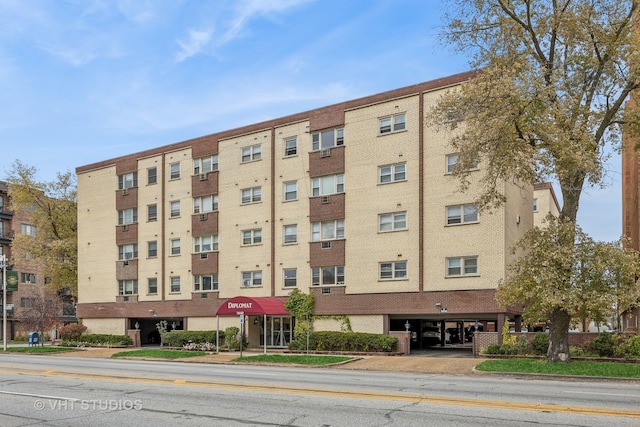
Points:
[[353, 203], [31, 279]]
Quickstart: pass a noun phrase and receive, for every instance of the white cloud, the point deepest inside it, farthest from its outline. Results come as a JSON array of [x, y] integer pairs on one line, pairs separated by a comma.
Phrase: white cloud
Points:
[[196, 41]]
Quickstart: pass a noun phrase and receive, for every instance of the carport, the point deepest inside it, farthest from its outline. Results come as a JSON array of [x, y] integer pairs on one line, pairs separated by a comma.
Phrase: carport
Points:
[[246, 306]]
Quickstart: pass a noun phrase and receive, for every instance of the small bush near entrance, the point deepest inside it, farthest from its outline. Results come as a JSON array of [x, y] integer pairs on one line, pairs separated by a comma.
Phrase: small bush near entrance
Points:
[[100, 340], [345, 341], [540, 343], [197, 338]]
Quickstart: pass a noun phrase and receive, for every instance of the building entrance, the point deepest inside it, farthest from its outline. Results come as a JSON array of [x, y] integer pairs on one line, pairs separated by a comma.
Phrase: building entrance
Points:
[[278, 331]]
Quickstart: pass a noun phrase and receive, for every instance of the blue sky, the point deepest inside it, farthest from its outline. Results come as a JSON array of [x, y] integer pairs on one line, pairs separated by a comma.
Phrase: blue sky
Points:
[[88, 80]]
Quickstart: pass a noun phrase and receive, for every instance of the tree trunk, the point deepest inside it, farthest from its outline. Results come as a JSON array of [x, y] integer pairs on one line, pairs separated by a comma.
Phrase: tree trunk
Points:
[[559, 336]]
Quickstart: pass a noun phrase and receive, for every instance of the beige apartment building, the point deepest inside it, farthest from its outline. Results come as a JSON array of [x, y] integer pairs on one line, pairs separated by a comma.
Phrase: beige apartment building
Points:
[[353, 203]]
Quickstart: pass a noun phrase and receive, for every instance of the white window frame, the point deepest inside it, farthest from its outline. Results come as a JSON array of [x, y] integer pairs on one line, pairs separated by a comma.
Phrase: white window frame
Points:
[[289, 277], [174, 285], [203, 244], [328, 184], [452, 160], [152, 175], [290, 191], [251, 153], [199, 282], [150, 281], [205, 204], [327, 230], [391, 124], [174, 171], [388, 174], [249, 196], [128, 287], [127, 252], [393, 270], [128, 216], [174, 247], [462, 214], [252, 237], [203, 165], [152, 216], [393, 221], [462, 266], [152, 245], [174, 209], [290, 234], [318, 277], [251, 278], [327, 139], [127, 180], [31, 230], [290, 147]]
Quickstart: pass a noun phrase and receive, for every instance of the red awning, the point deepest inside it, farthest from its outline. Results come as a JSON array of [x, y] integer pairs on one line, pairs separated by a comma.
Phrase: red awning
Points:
[[252, 306]]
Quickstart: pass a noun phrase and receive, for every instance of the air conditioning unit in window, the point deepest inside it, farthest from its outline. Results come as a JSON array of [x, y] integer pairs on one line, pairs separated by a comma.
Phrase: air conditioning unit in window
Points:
[[326, 290], [325, 153], [324, 199], [125, 228], [325, 245], [246, 283], [203, 177], [204, 255], [203, 217], [204, 295], [125, 191], [125, 263]]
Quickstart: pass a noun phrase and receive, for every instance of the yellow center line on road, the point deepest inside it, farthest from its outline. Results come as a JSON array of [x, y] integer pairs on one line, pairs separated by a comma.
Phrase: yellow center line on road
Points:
[[338, 393]]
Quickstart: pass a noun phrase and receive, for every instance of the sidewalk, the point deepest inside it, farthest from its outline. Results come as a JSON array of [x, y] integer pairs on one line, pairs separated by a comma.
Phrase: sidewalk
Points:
[[416, 364]]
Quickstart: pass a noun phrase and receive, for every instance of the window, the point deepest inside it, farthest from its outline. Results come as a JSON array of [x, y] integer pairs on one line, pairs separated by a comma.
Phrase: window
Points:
[[290, 147], [452, 161], [392, 173], [152, 213], [152, 249], [152, 286], [290, 277], [127, 180], [392, 124], [174, 284], [205, 204], [127, 287], [535, 205], [205, 283], [393, 221], [462, 214], [327, 139], [290, 191], [152, 176], [174, 209], [327, 230], [174, 170], [290, 234], [327, 276], [251, 278], [462, 266], [393, 270], [251, 195], [205, 164], [330, 184], [127, 252], [205, 243], [128, 216], [175, 246], [250, 154], [27, 278], [28, 229], [252, 237], [27, 302]]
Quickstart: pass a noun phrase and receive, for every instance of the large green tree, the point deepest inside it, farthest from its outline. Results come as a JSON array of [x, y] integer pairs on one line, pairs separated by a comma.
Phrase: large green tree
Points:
[[547, 103], [53, 210]]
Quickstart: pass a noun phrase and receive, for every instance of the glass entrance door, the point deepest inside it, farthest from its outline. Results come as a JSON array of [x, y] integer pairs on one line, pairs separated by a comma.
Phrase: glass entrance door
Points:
[[279, 331]]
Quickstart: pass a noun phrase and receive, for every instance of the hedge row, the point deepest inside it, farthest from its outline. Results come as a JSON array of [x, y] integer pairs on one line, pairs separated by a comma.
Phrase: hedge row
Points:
[[180, 338], [345, 341], [100, 340]]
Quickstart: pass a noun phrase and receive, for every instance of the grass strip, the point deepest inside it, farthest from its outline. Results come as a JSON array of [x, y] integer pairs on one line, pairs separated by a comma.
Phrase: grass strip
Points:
[[299, 359], [37, 350], [160, 354], [575, 368]]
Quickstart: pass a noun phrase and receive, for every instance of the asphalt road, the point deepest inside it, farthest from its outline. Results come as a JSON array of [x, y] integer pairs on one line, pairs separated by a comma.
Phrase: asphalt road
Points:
[[71, 391]]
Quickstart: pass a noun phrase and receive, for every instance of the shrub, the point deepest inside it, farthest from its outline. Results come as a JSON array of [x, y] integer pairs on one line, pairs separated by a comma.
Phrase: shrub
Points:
[[540, 343], [72, 331], [232, 338], [509, 349], [491, 349], [576, 351], [180, 338], [603, 345], [346, 341], [633, 347], [101, 340]]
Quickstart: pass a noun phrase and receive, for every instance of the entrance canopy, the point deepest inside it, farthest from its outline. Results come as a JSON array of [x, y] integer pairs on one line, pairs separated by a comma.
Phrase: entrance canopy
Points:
[[253, 306]]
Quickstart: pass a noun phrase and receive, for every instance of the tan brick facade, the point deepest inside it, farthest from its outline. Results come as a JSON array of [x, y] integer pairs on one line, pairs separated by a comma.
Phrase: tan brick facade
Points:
[[316, 211]]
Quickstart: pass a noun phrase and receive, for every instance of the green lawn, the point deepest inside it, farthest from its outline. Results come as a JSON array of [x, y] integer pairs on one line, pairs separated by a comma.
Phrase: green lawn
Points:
[[160, 354], [299, 359], [578, 368], [36, 350]]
